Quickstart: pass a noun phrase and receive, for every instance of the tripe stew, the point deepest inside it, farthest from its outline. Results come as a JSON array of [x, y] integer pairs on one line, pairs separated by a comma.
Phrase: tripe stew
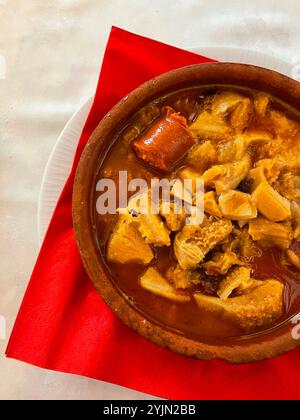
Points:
[[238, 271]]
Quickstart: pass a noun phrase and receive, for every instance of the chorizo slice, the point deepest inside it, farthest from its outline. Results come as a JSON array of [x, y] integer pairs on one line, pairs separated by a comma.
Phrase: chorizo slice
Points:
[[165, 141]]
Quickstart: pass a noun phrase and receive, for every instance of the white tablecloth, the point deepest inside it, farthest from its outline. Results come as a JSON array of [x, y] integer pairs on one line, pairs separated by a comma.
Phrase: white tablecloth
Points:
[[50, 55]]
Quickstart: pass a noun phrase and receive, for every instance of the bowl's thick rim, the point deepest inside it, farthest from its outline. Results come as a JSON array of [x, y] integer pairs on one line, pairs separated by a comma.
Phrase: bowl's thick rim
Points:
[[278, 85]]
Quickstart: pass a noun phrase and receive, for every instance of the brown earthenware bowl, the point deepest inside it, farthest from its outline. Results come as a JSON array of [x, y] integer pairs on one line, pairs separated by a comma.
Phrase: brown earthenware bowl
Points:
[[257, 347]]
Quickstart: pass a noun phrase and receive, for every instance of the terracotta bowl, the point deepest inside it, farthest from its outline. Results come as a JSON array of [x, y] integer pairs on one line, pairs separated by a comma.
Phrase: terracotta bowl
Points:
[[246, 349]]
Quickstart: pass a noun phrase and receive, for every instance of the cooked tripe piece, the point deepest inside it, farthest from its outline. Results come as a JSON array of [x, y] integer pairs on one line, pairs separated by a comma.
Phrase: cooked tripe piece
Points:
[[165, 142], [235, 205], [211, 205], [270, 234], [238, 280], [175, 221], [224, 102], [238, 106], [153, 229], [235, 148], [221, 262], [193, 242], [270, 203], [260, 306], [265, 170], [271, 168], [227, 176], [126, 244], [283, 125], [241, 115], [202, 155], [150, 226], [182, 279], [211, 127], [191, 174], [288, 184], [291, 161], [155, 283], [261, 105]]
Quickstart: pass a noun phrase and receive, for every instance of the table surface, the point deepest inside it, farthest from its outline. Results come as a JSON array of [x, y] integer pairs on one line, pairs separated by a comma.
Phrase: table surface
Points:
[[50, 55]]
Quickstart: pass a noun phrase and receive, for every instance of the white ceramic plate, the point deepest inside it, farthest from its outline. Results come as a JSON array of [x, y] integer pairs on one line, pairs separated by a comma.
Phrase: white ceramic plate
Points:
[[60, 160], [59, 166]]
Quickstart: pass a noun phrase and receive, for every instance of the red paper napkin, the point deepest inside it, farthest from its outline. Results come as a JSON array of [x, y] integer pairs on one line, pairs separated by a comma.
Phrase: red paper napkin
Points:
[[64, 325]]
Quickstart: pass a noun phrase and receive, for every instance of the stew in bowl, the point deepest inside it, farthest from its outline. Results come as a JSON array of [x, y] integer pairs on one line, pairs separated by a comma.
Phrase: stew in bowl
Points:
[[224, 283]]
